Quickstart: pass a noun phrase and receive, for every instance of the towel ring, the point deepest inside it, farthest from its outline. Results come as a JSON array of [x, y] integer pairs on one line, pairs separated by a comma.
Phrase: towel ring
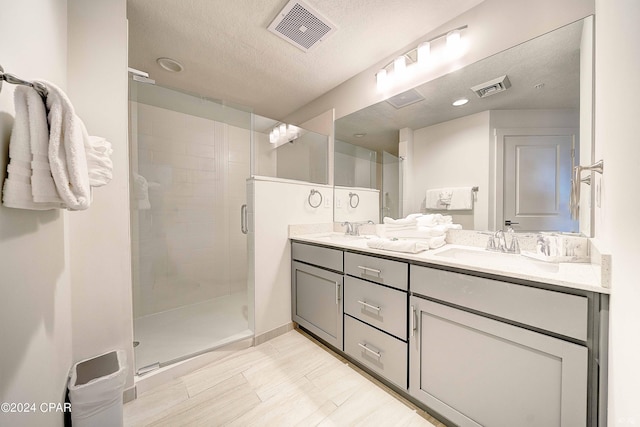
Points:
[[351, 197], [314, 191]]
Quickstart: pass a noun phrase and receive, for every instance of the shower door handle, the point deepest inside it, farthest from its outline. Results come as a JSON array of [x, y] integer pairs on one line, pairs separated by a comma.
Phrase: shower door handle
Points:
[[243, 220]]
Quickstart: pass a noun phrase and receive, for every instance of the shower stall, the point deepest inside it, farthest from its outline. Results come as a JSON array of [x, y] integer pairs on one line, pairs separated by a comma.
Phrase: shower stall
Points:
[[190, 158]]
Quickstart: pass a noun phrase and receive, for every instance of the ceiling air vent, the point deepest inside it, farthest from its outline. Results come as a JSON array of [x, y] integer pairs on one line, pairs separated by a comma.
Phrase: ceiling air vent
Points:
[[492, 87], [301, 25], [405, 98]]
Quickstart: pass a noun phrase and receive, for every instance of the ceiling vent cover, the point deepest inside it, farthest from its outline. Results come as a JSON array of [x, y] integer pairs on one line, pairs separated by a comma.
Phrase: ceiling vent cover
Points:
[[492, 87], [301, 25], [405, 98]]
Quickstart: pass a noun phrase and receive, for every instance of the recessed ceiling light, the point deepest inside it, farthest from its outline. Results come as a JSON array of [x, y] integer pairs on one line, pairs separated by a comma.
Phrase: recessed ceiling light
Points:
[[359, 135], [170, 64], [459, 102]]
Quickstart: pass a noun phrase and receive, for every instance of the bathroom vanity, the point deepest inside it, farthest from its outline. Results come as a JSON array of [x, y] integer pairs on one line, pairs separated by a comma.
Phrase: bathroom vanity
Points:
[[478, 344]]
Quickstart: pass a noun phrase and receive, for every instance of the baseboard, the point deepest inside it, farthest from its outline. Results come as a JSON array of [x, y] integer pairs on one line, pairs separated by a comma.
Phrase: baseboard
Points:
[[269, 335]]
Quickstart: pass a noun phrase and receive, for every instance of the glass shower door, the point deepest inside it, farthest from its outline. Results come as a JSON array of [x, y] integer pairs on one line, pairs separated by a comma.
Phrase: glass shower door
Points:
[[190, 159]]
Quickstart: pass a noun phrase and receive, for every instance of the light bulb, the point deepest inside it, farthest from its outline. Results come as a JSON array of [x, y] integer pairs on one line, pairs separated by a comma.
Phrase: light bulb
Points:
[[382, 79], [454, 45], [424, 53], [283, 130], [276, 134], [400, 66], [272, 136]]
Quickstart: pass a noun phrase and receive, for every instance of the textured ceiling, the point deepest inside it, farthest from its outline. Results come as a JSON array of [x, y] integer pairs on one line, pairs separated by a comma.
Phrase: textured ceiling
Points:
[[229, 54], [552, 59]]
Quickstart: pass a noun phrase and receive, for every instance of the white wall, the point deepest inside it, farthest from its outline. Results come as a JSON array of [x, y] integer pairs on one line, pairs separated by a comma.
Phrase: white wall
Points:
[[494, 25], [273, 205], [35, 308], [617, 90], [100, 246], [453, 154], [367, 204]]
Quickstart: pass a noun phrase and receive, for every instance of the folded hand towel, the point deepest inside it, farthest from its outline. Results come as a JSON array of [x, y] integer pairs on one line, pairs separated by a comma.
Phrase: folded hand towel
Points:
[[419, 233], [400, 222], [67, 154], [410, 246], [29, 184], [437, 242], [445, 196], [433, 200], [461, 198]]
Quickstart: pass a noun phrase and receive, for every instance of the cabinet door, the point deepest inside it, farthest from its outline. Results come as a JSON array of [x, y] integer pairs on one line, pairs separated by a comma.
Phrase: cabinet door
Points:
[[317, 302], [477, 371]]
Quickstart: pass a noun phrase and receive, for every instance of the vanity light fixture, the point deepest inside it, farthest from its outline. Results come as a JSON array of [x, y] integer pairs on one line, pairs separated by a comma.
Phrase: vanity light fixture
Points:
[[460, 102], [421, 56], [283, 132]]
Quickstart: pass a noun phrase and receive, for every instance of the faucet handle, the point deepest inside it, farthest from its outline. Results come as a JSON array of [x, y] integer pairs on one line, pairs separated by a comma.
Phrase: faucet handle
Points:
[[491, 243], [514, 248]]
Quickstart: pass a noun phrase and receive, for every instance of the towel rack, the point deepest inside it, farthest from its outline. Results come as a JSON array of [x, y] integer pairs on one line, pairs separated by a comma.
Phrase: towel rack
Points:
[[311, 193], [10, 78]]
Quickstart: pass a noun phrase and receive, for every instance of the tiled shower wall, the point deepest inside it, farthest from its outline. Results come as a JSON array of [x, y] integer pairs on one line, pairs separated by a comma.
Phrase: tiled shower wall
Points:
[[187, 245]]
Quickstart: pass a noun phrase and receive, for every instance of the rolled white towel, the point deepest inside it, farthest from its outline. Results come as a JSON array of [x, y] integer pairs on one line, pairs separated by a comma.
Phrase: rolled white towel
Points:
[[141, 191], [409, 246]]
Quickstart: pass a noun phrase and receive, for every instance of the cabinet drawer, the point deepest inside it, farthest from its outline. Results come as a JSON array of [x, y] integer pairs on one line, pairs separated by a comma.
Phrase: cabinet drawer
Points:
[[387, 272], [376, 350], [382, 307], [549, 310], [323, 257]]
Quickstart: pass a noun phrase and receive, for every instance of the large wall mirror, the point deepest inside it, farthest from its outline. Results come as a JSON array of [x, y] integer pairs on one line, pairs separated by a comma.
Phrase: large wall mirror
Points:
[[517, 144]]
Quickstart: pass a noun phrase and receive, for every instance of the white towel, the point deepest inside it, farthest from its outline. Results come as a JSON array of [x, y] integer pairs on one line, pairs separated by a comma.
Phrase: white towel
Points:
[[437, 242], [433, 200], [29, 184], [461, 198], [419, 233], [410, 220], [67, 154], [410, 246], [99, 164], [141, 191]]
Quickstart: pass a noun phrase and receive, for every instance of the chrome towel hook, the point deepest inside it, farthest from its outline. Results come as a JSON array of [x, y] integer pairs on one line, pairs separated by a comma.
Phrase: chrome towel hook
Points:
[[311, 194]]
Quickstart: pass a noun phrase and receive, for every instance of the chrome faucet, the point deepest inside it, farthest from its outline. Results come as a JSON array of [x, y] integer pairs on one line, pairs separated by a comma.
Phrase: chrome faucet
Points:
[[350, 230], [353, 228], [498, 242]]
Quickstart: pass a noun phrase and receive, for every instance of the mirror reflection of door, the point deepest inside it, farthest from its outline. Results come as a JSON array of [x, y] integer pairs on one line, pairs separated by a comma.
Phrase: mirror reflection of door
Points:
[[537, 180]]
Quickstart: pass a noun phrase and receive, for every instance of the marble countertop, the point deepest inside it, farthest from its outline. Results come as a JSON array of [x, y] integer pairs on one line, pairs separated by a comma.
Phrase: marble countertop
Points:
[[582, 276]]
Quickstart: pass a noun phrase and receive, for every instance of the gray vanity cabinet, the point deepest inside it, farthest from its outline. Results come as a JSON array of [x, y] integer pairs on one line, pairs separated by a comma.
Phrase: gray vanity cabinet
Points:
[[316, 300], [477, 370], [375, 315]]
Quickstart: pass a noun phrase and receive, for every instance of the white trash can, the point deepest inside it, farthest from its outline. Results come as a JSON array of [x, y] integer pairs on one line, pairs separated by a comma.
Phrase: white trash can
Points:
[[95, 390]]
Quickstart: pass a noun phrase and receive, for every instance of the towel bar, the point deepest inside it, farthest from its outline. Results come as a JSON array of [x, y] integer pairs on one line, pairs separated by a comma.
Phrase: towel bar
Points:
[[10, 78]]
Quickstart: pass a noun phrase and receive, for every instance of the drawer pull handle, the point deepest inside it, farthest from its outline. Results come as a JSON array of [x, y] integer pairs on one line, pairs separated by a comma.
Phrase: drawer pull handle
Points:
[[337, 293], [375, 353], [369, 269], [370, 306]]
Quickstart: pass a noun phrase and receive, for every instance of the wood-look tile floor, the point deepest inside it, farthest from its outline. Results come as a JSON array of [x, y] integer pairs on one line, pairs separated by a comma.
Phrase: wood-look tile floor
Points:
[[291, 380]]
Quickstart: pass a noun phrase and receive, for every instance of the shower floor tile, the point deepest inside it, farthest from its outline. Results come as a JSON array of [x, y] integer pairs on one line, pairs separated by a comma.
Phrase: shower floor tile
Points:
[[175, 334]]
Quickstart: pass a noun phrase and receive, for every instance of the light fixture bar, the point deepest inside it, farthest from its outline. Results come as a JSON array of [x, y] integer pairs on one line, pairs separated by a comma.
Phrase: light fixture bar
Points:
[[421, 54]]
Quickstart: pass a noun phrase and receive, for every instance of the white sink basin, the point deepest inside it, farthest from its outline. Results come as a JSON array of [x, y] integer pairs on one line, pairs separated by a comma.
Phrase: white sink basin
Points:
[[496, 259]]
